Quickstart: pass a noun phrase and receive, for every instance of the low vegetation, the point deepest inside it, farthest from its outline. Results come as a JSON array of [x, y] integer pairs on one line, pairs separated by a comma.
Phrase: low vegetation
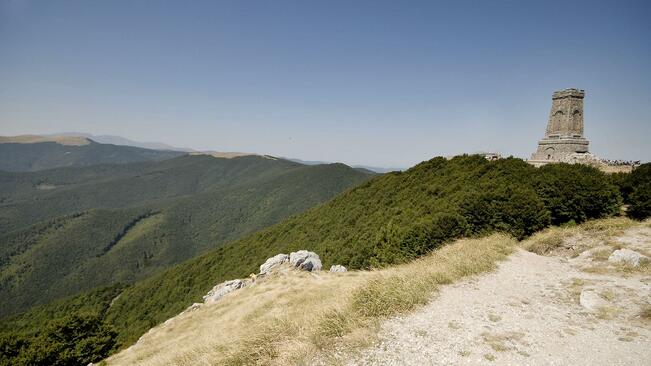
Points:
[[292, 318], [636, 191], [564, 238]]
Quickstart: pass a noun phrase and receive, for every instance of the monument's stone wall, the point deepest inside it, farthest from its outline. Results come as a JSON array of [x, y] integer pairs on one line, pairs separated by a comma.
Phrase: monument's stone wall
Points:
[[563, 141]]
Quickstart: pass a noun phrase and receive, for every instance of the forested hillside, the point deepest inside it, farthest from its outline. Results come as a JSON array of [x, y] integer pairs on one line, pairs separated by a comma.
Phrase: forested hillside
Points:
[[27, 198], [389, 219], [23, 157], [101, 225]]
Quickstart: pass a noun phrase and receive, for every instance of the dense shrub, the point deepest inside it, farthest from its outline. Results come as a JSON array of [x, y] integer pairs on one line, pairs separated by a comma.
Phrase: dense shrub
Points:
[[513, 209], [72, 340], [639, 198], [422, 238], [640, 202], [576, 193]]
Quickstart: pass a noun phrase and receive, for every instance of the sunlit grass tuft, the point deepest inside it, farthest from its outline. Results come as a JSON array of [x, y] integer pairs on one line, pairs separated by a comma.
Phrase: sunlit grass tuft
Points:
[[552, 239]]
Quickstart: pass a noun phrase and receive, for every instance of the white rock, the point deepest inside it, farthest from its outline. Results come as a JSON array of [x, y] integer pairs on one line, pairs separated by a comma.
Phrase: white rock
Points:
[[338, 268], [222, 289], [307, 261], [628, 256], [591, 301], [273, 262], [193, 307]]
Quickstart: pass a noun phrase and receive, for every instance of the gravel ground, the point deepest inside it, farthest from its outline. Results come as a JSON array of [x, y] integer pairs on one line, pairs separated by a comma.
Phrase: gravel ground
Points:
[[528, 313]]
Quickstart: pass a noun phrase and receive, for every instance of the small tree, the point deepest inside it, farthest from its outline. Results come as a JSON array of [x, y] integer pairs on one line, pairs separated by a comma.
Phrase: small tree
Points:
[[73, 340]]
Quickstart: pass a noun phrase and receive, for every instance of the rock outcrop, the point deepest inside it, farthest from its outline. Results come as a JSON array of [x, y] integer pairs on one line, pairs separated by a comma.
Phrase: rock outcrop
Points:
[[273, 262], [628, 256], [222, 289], [305, 260], [338, 268]]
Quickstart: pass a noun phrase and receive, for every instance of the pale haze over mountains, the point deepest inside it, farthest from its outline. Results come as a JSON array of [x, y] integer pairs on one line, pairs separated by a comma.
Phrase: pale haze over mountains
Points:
[[118, 140]]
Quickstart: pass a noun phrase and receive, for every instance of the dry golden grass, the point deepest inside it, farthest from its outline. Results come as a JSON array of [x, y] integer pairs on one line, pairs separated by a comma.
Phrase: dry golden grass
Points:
[[602, 255], [599, 232], [607, 312], [292, 317], [503, 341], [645, 313], [622, 269]]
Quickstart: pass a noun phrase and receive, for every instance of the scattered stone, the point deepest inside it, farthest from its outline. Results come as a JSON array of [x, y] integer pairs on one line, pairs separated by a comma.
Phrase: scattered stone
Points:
[[222, 289], [305, 260], [193, 307], [273, 262], [591, 300], [628, 256], [338, 268]]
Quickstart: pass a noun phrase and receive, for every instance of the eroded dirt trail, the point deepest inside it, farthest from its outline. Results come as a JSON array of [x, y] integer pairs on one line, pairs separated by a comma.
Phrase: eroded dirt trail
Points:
[[528, 312]]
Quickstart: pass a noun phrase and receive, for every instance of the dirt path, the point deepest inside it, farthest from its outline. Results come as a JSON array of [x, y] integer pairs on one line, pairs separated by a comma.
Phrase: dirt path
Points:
[[528, 313]]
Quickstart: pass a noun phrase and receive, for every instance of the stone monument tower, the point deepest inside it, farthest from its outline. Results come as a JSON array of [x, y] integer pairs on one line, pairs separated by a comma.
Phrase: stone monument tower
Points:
[[563, 141]]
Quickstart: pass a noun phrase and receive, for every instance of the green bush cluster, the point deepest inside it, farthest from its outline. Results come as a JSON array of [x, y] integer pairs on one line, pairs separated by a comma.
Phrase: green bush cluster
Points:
[[636, 191], [69, 331], [72, 340]]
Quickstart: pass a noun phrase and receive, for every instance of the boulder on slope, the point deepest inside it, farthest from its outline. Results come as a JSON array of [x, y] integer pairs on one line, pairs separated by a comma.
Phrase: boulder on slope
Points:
[[338, 268], [222, 289], [628, 256], [305, 260], [273, 262]]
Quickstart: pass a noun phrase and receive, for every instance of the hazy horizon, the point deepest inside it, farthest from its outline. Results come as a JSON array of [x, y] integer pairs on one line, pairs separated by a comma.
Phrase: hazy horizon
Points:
[[371, 83]]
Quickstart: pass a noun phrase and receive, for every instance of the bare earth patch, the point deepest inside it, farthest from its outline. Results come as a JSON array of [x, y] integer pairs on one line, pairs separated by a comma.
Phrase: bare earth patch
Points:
[[528, 311]]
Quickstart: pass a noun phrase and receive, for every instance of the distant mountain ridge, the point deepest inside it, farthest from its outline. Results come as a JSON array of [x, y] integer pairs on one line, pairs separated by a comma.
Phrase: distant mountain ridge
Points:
[[118, 140], [374, 169], [69, 140], [32, 153], [123, 141], [81, 138]]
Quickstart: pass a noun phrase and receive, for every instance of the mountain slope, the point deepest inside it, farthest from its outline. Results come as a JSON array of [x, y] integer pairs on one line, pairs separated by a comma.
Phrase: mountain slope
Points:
[[27, 198], [121, 223], [35, 156], [390, 219]]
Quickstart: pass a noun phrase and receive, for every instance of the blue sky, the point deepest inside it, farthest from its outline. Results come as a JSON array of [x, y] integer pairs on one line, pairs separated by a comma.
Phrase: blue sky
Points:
[[386, 83]]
